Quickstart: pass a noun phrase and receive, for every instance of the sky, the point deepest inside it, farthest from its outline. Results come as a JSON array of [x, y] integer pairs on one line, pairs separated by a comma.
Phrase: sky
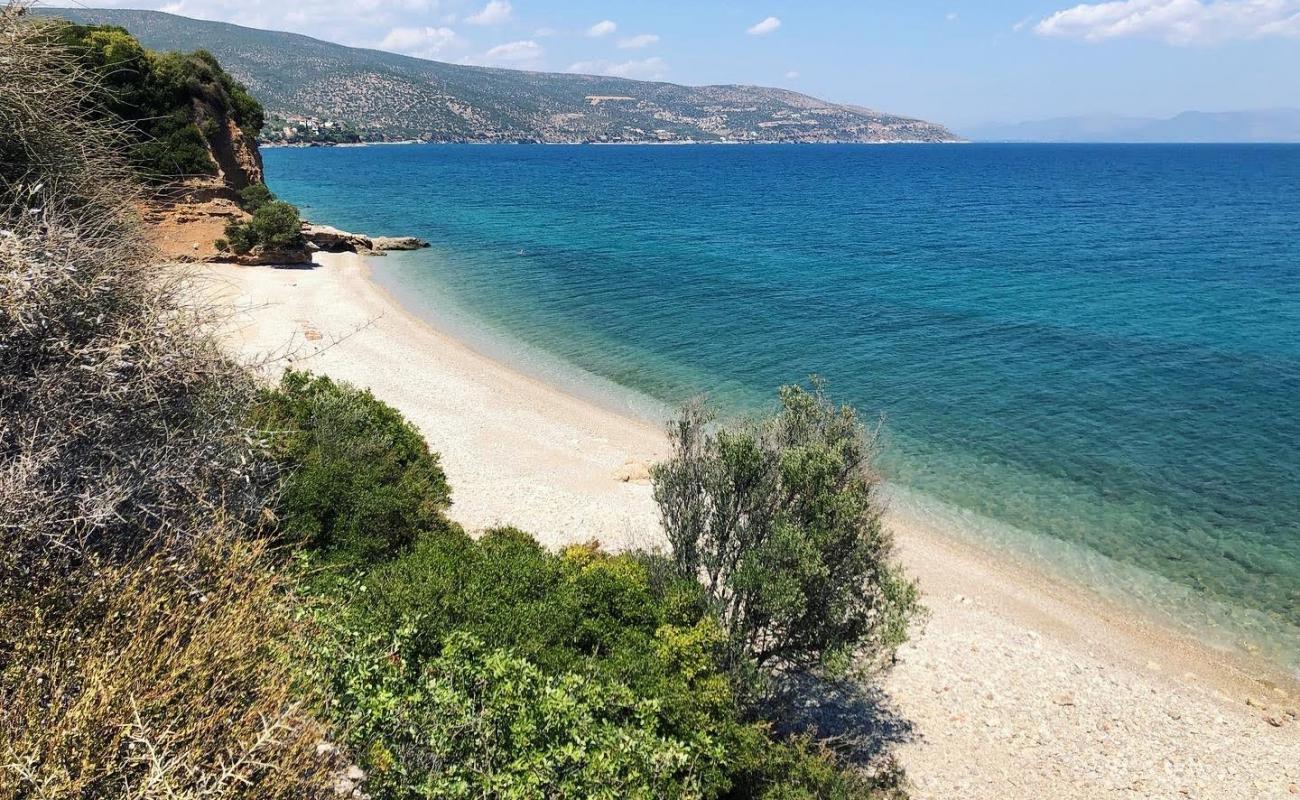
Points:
[[957, 62]]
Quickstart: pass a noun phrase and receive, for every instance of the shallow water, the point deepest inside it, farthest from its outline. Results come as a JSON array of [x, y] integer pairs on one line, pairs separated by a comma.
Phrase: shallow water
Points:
[[1087, 352]]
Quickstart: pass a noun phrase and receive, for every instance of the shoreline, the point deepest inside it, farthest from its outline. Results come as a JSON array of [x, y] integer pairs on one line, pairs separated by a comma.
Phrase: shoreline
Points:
[[1017, 685]]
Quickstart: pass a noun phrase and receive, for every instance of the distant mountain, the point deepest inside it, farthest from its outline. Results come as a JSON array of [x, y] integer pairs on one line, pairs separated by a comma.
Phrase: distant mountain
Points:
[[1269, 125], [309, 83]]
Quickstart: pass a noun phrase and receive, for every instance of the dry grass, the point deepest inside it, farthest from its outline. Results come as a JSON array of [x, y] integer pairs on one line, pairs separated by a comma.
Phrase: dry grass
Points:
[[165, 679]]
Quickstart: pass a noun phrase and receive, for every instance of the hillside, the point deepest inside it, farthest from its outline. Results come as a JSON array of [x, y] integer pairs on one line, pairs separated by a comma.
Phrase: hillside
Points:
[[383, 96], [1268, 125]]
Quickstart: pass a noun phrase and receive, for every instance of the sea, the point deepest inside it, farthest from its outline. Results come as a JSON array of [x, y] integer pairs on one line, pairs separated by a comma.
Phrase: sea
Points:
[[1084, 356]]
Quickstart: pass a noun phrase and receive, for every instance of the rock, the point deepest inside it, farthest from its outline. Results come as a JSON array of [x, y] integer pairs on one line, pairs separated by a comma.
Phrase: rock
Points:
[[633, 472], [280, 257], [333, 240], [1253, 703], [355, 774], [397, 243]]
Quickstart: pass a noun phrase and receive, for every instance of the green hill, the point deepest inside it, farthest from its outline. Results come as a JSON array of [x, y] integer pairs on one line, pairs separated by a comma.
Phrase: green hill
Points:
[[305, 82]]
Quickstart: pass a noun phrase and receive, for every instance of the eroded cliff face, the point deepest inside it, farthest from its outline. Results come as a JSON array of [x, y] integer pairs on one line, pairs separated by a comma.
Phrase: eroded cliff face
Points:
[[188, 217], [238, 160]]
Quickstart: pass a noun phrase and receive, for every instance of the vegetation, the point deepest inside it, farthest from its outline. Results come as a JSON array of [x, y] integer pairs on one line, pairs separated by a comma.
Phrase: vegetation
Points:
[[779, 519], [211, 590], [253, 197], [361, 483], [174, 103], [146, 643], [275, 225]]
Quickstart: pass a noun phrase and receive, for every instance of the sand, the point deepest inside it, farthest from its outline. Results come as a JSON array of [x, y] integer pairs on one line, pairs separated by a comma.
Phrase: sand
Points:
[[1017, 685]]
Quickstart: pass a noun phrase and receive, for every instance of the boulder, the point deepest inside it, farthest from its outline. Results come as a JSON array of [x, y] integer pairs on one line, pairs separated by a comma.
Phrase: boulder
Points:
[[333, 240], [279, 257], [397, 243]]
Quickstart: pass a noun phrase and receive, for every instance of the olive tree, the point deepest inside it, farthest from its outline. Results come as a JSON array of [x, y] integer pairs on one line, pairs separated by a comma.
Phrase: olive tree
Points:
[[779, 518]]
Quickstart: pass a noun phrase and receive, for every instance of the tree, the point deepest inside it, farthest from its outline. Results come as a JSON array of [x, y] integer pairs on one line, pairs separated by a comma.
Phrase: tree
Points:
[[779, 518]]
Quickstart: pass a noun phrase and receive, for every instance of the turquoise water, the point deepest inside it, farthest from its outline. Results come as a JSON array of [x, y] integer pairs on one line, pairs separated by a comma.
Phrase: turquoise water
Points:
[[1088, 352]]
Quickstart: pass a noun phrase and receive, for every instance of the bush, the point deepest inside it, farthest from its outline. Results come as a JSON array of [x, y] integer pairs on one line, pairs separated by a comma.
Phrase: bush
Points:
[[779, 519], [577, 674], [360, 481], [275, 225], [252, 198], [144, 641], [120, 416]]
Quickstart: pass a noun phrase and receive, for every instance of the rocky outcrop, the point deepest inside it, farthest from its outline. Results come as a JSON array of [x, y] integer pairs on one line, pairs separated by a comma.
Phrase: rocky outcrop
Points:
[[237, 157], [333, 240], [397, 243], [279, 257]]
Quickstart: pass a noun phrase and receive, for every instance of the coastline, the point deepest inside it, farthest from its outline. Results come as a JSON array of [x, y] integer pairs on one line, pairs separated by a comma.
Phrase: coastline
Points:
[[1018, 684]]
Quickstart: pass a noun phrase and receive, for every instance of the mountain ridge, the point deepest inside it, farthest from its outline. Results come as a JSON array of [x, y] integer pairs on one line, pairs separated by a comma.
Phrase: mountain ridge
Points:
[[1269, 125], [310, 84]]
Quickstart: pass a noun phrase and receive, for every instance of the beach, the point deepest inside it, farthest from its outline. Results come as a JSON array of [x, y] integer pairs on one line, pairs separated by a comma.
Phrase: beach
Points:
[[1017, 684]]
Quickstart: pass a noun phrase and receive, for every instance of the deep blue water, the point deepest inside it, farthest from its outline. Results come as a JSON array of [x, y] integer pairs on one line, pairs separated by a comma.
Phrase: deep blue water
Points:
[[1089, 350]]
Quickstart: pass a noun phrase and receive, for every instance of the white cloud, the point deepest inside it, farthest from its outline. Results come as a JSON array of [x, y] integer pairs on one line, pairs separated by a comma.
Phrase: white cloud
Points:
[[792, 75], [764, 27], [494, 13], [1180, 22], [542, 33], [603, 28], [420, 42], [952, 16], [639, 41], [525, 53], [647, 69]]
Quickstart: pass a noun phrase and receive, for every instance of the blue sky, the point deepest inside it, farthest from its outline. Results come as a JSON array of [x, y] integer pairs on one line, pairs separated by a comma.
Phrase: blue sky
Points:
[[958, 62]]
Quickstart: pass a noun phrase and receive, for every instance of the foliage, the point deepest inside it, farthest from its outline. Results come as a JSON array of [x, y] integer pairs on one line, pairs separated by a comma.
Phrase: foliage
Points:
[[274, 225], [467, 667], [361, 482], [175, 103], [779, 519], [254, 196], [471, 668]]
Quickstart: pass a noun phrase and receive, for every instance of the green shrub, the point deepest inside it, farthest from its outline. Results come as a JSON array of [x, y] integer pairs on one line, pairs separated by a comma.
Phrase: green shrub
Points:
[[274, 225], [253, 197], [465, 667], [360, 481], [779, 519], [277, 225], [577, 674]]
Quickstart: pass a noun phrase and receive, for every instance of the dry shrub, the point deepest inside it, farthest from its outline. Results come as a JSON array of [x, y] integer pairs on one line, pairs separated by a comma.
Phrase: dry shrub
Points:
[[167, 679], [120, 419], [146, 643]]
